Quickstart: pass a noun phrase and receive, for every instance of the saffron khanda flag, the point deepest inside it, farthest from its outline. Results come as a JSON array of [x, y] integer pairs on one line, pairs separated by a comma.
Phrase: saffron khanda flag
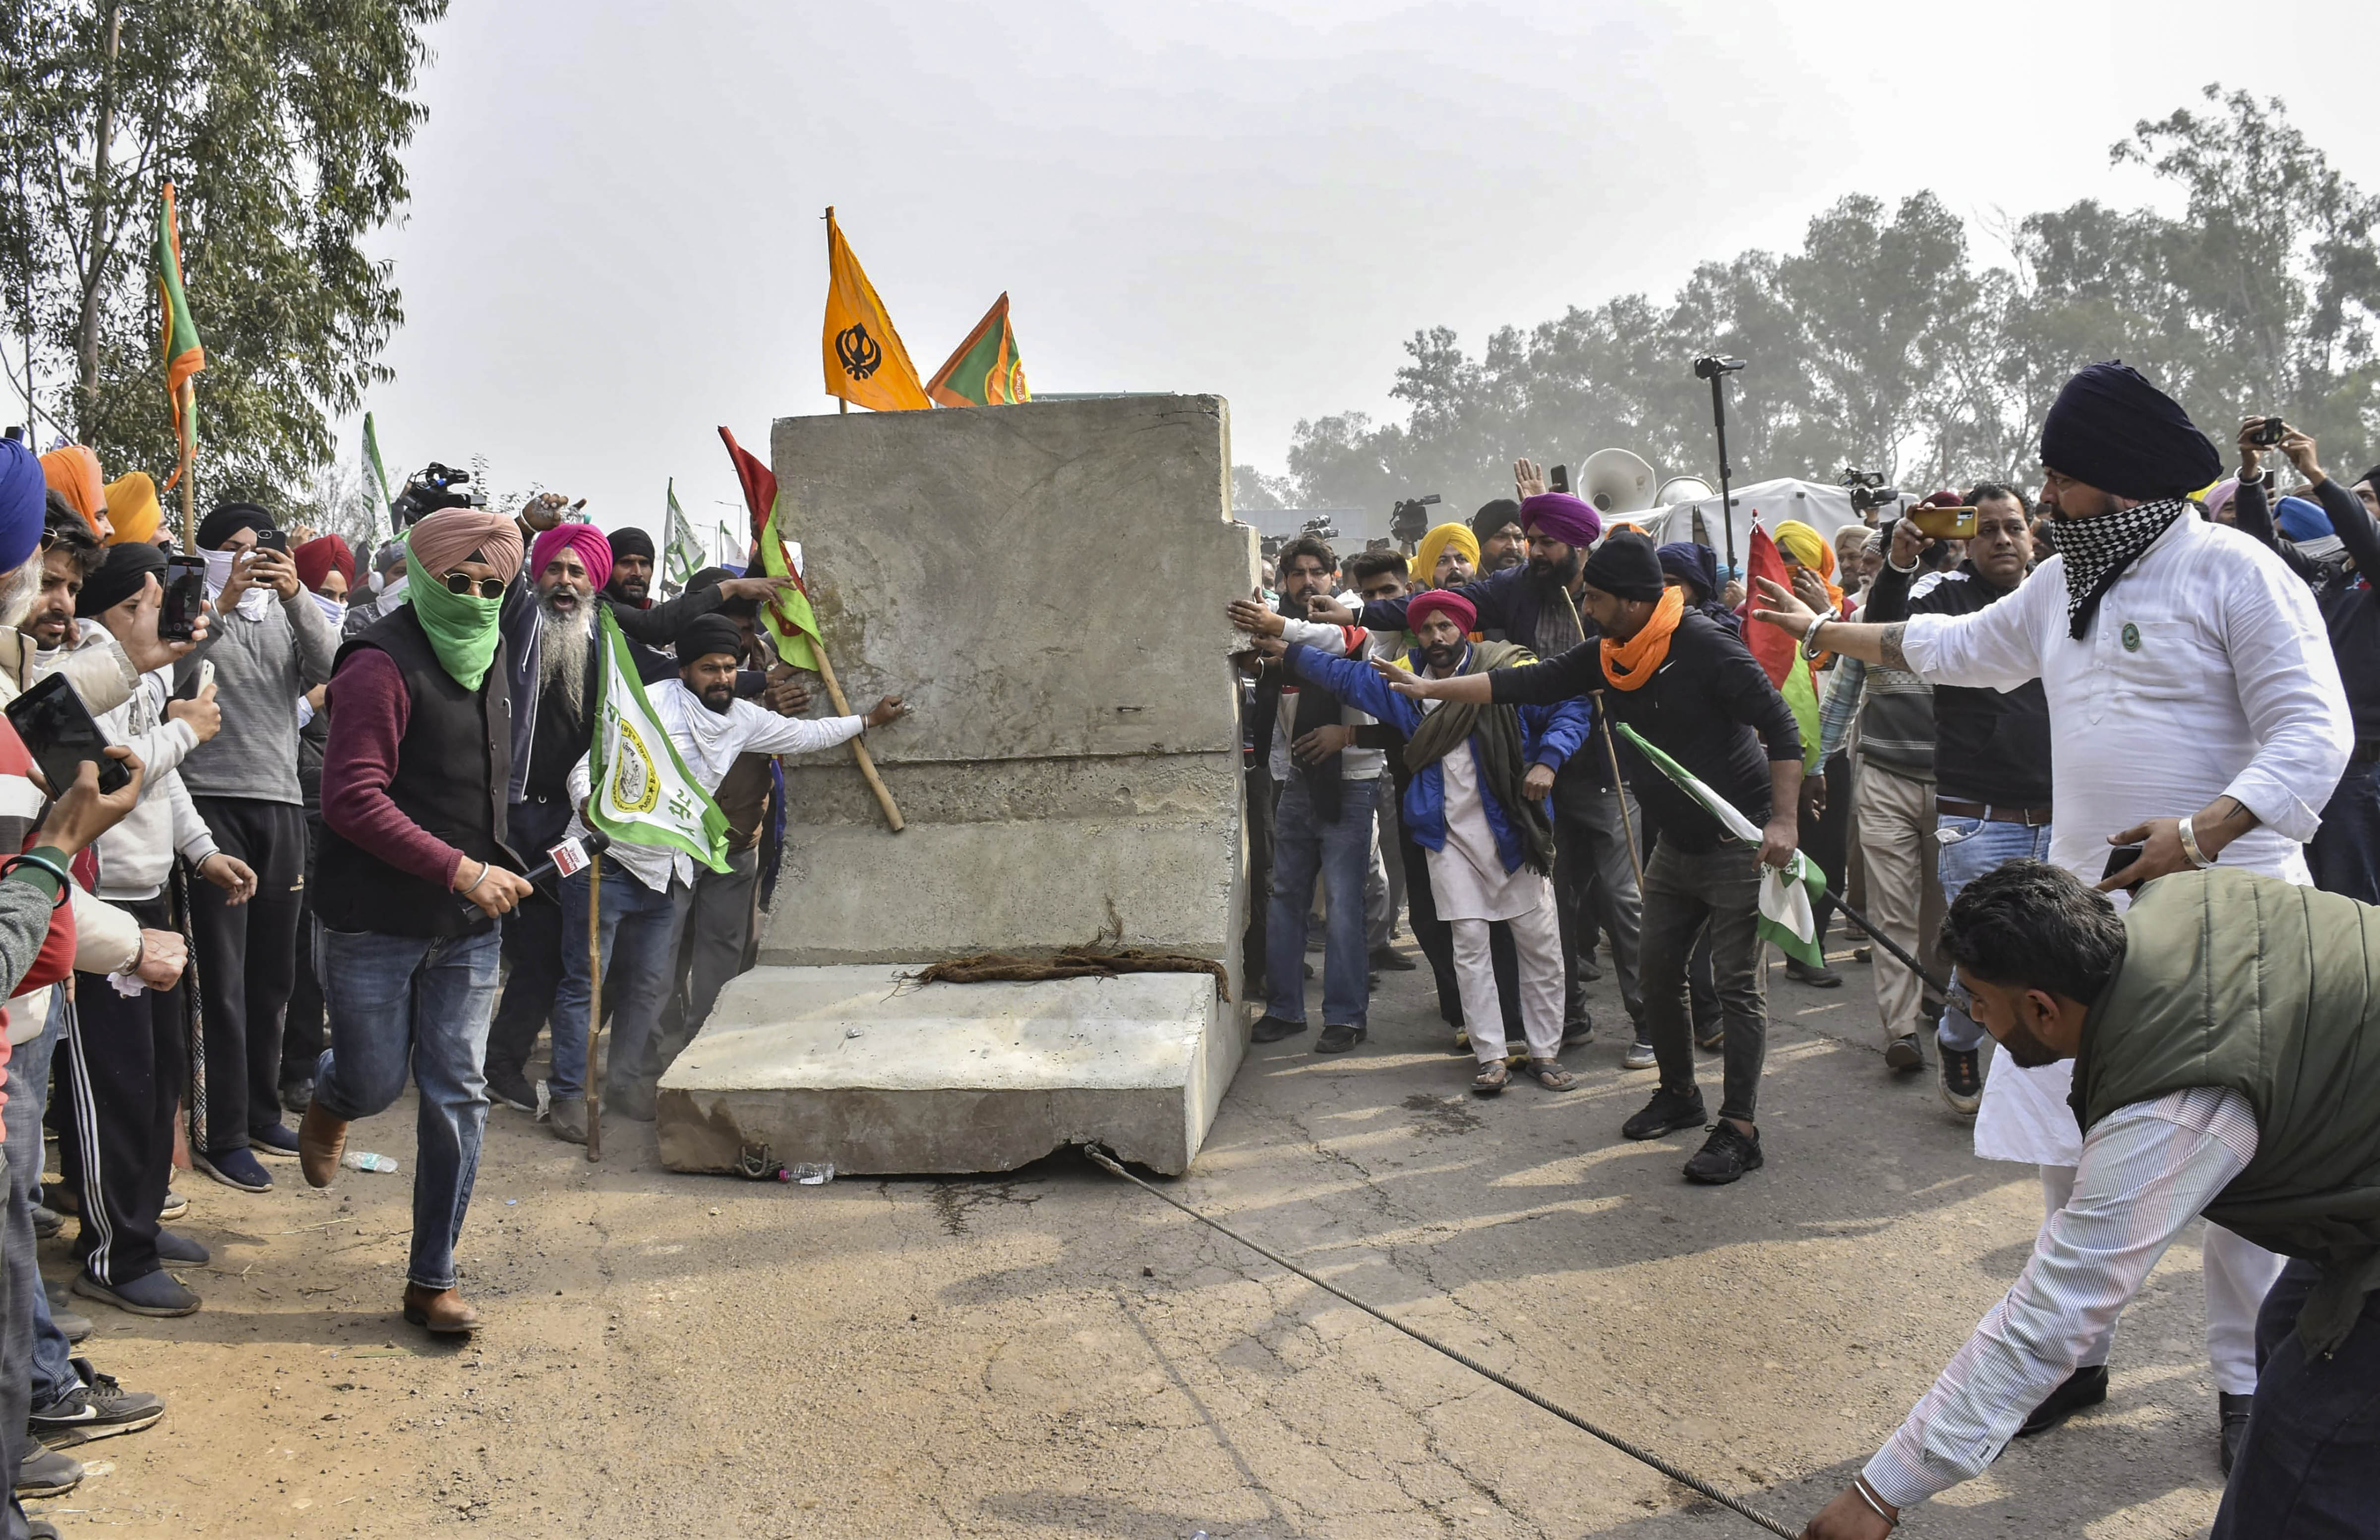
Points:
[[985, 370], [1788, 894], [183, 356], [682, 547], [640, 792], [788, 616], [866, 363]]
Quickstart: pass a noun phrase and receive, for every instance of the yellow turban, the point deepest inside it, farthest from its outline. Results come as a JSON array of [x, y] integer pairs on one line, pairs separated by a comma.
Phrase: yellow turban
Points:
[[1433, 545], [1802, 543], [132, 509], [72, 472]]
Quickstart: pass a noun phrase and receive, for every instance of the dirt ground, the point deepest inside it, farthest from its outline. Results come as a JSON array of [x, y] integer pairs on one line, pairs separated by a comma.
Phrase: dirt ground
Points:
[[1055, 1353]]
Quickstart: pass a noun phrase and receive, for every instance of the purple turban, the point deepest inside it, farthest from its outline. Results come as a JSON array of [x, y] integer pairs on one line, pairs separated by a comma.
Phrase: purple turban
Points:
[[1566, 518]]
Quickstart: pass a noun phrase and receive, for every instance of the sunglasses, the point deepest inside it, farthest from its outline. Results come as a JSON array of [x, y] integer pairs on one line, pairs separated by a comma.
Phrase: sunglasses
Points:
[[464, 583]]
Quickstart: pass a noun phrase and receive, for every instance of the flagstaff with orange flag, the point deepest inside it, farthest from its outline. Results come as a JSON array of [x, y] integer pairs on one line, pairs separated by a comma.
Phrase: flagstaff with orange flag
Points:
[[184, 358], [984, 371], [866, 363]]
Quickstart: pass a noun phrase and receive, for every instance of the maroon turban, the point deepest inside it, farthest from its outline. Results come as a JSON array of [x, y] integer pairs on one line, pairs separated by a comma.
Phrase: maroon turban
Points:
[[318, 559], [1437, 601], [1566, 518], [583, 540]]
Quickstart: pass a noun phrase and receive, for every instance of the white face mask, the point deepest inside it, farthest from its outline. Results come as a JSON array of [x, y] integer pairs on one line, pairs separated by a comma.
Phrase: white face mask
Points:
[[334, 609], [252, 601]]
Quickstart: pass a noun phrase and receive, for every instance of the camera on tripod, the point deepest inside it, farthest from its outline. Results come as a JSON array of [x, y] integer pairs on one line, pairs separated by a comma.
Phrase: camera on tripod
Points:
[[1710, 366], [433, 488], [1408, 522], [1868, 491], [1320, 528]]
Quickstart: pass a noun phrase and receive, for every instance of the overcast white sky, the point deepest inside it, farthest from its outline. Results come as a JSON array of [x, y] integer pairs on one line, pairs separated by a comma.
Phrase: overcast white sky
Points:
[[614, 245]]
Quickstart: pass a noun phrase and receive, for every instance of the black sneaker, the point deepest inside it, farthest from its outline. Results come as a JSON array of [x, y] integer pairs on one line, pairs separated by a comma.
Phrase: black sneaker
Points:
[[296, 1094], [1821, 976], [150, 1294], [2234, 1410], [2086, 1386], [183, 1250], [510, 1086], [1390, 960], [277, 1140], [1903, 1054], [47, 1223], [1961, 1078], [1668, 1111], [47, 1473], [235, 1167], [1338, 1039], [99, 1408], [1726, 1155], [1580, 1030], [1272, 1029], [1711, 1037]]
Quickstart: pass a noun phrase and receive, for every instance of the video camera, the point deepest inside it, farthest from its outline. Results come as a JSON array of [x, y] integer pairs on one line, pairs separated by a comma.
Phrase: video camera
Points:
[[1710, 366], [1868, 491], [431, 488], [1320, 528], [1408, 522]]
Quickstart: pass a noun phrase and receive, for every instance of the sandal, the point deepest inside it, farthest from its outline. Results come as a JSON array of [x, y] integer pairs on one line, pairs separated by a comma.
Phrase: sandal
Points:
[[1491, 1078], [1552, 1076]]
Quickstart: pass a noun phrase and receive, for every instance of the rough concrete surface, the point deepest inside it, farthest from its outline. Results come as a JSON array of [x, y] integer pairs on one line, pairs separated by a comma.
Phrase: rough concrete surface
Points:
[[1055, 1354], [887, 1078]]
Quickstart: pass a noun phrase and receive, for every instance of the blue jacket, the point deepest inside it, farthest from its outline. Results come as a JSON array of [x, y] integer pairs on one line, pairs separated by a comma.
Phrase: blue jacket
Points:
[[1550, 734], [1506, 601]]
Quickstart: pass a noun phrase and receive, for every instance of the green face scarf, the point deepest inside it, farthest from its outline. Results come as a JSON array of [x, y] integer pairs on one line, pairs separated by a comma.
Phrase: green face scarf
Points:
[[461, 627]]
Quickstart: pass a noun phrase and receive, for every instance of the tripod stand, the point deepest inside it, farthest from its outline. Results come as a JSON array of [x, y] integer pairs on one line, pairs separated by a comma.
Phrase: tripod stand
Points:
[[1713, 368]]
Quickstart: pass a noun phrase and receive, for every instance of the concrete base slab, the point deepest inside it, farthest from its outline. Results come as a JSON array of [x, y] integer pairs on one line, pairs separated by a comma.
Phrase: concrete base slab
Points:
[[846, 1064]]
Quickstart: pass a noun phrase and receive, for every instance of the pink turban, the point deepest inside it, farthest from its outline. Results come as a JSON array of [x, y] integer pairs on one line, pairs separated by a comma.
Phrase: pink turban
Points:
[[1441, 600], [583, 540], [447, 538], [1566, 518]]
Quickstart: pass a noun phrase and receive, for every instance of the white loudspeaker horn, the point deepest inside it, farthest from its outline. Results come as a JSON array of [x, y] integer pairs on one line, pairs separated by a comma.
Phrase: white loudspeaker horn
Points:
[[1615, 481], [1683, 489]]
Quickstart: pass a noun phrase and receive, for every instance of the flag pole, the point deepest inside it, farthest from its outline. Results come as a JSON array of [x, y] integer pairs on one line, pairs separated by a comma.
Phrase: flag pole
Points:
[[858, 745], [189, 445], [594, 1001]]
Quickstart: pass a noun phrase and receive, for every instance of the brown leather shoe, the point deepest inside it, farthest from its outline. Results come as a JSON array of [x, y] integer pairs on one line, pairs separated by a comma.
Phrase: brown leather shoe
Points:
[[440, 1310], [321, 1139]]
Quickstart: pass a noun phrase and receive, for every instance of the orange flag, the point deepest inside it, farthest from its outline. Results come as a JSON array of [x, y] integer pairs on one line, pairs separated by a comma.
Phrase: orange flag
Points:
[[866, 363]]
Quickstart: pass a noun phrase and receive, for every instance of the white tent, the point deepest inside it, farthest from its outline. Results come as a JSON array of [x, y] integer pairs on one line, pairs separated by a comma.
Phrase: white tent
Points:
[[1820, 505]]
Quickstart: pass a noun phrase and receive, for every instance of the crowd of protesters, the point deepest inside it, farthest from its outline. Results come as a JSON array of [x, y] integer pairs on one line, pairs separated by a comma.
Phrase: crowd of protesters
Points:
[[303, 899], [2140, 674]]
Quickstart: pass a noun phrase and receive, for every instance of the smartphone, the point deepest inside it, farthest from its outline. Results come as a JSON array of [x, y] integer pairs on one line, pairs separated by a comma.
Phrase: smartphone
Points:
[[59, 734], [2269, 433], [186, 594], [1559, 481], [196, 685], [1944, 524], [278, 540], [2118, 859]]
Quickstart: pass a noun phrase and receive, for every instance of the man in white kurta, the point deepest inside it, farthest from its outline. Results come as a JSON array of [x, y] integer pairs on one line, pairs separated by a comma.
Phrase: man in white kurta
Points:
[[2203, 674]]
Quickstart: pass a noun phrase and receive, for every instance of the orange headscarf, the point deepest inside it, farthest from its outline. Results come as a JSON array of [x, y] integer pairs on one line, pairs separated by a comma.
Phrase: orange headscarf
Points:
[[72, 472], [1630, 663], [132, 509]]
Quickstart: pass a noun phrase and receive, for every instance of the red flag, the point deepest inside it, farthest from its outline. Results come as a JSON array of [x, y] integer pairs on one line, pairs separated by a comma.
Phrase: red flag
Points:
[[1773, 647], [788, 616]]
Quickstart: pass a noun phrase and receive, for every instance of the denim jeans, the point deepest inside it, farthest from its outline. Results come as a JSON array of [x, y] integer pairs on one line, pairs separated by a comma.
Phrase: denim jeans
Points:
[[2345, 854], [1971, 848], [20, 1284], [1340, 854], [532, 944], [395, 1001], [29, 1090], [2309, 1465], [643, 925]]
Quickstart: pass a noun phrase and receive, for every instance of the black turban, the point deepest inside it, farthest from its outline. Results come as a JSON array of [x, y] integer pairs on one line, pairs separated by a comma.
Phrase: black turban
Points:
[[709, 577], [120, 577], [631, 541], [2112, 430], [705, 635], [2369, 477], [229, 521], [1626, 566], [1493, 516]]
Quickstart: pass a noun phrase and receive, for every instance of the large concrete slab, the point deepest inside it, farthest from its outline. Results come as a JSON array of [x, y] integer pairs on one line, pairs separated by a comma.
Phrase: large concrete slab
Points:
[[848, 1064], [1045, 584]]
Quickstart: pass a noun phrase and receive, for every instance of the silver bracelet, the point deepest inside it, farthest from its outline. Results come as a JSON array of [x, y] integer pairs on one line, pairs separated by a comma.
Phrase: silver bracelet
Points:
[[485, 867], [2198, 857], [1810, 633], [1859, 1484]]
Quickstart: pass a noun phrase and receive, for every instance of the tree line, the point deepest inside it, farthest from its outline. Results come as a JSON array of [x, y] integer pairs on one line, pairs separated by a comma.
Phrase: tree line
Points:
[[1883, 343]]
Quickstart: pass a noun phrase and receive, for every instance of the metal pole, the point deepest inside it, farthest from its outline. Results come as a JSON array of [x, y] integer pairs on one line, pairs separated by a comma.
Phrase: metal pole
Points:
[[1725, 503]]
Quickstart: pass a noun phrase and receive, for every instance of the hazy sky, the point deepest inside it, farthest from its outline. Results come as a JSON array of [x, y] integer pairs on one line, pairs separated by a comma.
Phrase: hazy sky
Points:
[[614, 242]]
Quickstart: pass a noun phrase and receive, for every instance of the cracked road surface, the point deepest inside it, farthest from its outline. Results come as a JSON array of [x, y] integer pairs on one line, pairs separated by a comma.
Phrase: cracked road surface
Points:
[[1050, 1352]]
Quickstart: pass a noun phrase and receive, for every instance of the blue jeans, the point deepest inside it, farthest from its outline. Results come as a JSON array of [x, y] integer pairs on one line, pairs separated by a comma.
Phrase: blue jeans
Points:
[[1340, 854], [28, 1091], [1970, 849], [643, 925], [2309, 1465], [2345, 854], [395, 1001]]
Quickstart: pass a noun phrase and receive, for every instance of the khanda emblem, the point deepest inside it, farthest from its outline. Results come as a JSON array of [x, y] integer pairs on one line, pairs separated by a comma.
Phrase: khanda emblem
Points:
[[857, 352]]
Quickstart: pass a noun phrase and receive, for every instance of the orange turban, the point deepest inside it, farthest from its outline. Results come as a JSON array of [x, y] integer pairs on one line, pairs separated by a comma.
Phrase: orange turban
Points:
[[72, 472], [132, 509]]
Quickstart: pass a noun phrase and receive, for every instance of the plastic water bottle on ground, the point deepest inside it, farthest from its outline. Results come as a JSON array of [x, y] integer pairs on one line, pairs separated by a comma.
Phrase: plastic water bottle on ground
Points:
[[365, 1161], [814, 1173]]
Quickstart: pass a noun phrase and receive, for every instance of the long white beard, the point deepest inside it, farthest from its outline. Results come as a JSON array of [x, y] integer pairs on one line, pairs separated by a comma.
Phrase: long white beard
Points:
[[562, 654], [17, 591]]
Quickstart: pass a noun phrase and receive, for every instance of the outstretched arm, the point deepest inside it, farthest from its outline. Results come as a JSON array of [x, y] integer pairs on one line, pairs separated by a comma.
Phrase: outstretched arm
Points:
[[1353, 681]]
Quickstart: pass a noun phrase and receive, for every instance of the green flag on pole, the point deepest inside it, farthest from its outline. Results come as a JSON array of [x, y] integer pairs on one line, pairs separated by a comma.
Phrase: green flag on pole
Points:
[[683, 551], [1788, 894], [640, 792], [379, 478]]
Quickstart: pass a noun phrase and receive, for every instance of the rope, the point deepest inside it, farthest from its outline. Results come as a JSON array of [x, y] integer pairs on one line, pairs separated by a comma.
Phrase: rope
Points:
[[1101, 1158]]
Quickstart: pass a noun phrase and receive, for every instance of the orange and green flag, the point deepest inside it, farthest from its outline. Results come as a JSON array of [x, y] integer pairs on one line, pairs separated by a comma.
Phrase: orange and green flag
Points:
[[986, 370], [866, 363], [787, 617], [183, 356]]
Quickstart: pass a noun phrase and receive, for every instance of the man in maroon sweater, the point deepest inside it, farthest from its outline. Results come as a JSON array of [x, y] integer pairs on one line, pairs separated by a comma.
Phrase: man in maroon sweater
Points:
[[415, 781]]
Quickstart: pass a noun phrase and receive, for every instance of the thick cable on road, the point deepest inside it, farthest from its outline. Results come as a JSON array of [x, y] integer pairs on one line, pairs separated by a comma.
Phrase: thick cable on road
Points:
[[1646, 1456]]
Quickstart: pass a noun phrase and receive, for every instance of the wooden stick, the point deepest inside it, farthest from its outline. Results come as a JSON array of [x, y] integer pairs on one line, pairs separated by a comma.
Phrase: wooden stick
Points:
[[189, 449], [1627, 824], [858, 745], [594, 1001]]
